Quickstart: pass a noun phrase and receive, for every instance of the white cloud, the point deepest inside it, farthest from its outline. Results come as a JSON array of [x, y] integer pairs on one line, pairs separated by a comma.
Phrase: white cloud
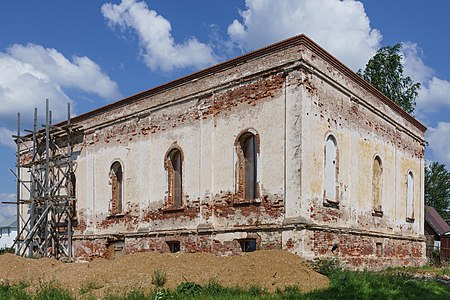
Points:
[[7, 210], [6, 138], [341, 27], [159, 49], [413, 63], [30, 74], [81, 73], [434, 91], [439, 142]]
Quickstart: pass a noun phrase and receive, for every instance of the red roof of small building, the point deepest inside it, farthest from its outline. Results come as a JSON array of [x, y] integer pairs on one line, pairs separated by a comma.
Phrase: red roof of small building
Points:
[[435, 220]]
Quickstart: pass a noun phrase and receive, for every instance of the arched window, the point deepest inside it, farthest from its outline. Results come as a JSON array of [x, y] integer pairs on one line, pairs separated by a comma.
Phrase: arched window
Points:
[[410, 196], [72, 188], [377, 172], [174, 163], [331, 169], [116, 176], [247, 154], [72, 185]]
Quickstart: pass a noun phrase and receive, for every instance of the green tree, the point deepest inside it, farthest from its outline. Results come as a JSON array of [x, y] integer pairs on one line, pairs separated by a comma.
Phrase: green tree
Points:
[[437, 189], [385, 72]]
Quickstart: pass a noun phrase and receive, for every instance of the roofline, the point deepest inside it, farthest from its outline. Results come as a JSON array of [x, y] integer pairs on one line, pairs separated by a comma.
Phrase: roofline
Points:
[[432, 224], [287, 43]]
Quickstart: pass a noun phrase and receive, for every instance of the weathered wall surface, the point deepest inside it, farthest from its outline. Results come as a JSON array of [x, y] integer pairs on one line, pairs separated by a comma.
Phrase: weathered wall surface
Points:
[[363, 129], [292, 99], [206, 131]]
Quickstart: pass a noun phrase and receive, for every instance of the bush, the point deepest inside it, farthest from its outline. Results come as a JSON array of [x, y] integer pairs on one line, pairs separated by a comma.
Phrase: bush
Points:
[[213, 287], [188, 288], [327, 266], [6, 250], [159, 278], [435, 258]]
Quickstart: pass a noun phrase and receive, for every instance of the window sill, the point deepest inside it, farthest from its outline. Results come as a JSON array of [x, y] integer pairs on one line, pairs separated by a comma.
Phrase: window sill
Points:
[[173, 209], [118, 215], [410, 220], [246, 202], [377, 213], [331, 203]]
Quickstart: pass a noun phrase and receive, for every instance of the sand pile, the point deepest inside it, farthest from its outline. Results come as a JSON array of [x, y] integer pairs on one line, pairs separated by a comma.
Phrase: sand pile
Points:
[[270, 269]]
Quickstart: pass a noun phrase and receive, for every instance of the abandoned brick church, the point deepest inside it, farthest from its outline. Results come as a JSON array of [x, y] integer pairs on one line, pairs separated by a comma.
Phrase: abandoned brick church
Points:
[[281, 148]]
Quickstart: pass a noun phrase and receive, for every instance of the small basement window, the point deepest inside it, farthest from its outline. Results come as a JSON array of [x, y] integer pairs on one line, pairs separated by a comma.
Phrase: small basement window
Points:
[[174, 246], [116, 249], [379, 249], [248, 245]]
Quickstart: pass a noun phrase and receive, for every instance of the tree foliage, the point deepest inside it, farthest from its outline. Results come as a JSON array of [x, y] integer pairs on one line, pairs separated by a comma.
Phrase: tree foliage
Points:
[[437, 189], [385, 72]]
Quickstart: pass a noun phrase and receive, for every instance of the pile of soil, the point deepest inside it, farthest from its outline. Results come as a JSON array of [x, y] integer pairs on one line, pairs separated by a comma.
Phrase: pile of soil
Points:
[[270, 269]]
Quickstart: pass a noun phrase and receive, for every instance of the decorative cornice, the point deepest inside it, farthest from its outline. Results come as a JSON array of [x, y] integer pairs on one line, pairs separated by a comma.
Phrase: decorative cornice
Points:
[[285, 44]]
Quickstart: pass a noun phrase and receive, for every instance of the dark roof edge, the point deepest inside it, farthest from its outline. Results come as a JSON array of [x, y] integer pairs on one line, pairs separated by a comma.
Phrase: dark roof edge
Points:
[[296, 40]]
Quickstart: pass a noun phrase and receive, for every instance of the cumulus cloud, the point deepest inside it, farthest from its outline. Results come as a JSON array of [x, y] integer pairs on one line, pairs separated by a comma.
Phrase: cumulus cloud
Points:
[[31, 73], [7, 210], [438, 142], [81, 72], [6, 138], [159, 49], [434, 91], [341, 27]]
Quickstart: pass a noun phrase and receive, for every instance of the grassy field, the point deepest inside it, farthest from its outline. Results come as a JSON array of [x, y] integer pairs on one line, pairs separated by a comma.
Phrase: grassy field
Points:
[[392, 284]]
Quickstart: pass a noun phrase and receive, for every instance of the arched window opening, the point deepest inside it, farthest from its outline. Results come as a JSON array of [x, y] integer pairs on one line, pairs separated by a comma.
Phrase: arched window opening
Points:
[[410, 197], [71, 192], [331, 168], [174, 169], [116, 176], [247, 166], [72, 185], [377, 172]]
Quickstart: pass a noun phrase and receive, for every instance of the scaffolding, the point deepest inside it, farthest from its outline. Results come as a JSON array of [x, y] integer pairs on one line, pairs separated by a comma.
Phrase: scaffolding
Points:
[[46, 199]]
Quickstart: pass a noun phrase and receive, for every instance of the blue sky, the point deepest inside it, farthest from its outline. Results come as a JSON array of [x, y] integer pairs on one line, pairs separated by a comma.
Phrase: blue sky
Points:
[[91, 53]]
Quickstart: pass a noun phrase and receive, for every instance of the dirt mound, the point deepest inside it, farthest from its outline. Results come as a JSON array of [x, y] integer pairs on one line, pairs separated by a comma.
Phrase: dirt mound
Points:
[[270, 269]]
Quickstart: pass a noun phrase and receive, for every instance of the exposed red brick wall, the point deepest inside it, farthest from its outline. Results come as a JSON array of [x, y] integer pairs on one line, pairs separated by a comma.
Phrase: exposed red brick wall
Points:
[[354, 250]]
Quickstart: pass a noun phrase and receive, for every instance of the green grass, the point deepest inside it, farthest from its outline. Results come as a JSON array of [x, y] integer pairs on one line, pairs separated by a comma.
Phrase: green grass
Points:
[[371, 285], [424, 269], [16, 291], [344, 285]]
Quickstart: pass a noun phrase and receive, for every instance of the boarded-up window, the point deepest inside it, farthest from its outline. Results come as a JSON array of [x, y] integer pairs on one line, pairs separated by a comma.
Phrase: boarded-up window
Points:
[[116, 187], [410, 196], [330, 169], [247, 166], [116, 249], [377, 183], [174, 170]]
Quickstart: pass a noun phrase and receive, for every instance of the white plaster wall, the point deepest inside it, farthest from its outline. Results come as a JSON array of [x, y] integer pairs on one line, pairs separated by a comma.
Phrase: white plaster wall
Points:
[[7, 237], [292, 126]]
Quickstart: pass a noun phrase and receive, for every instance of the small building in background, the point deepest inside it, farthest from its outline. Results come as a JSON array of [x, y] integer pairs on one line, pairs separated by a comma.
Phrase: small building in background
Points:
[[8, 232], [437, 233]]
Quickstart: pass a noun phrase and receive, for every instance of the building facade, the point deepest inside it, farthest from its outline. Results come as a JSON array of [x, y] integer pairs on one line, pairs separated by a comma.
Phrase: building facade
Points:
[[281, 148], [8, 232]]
